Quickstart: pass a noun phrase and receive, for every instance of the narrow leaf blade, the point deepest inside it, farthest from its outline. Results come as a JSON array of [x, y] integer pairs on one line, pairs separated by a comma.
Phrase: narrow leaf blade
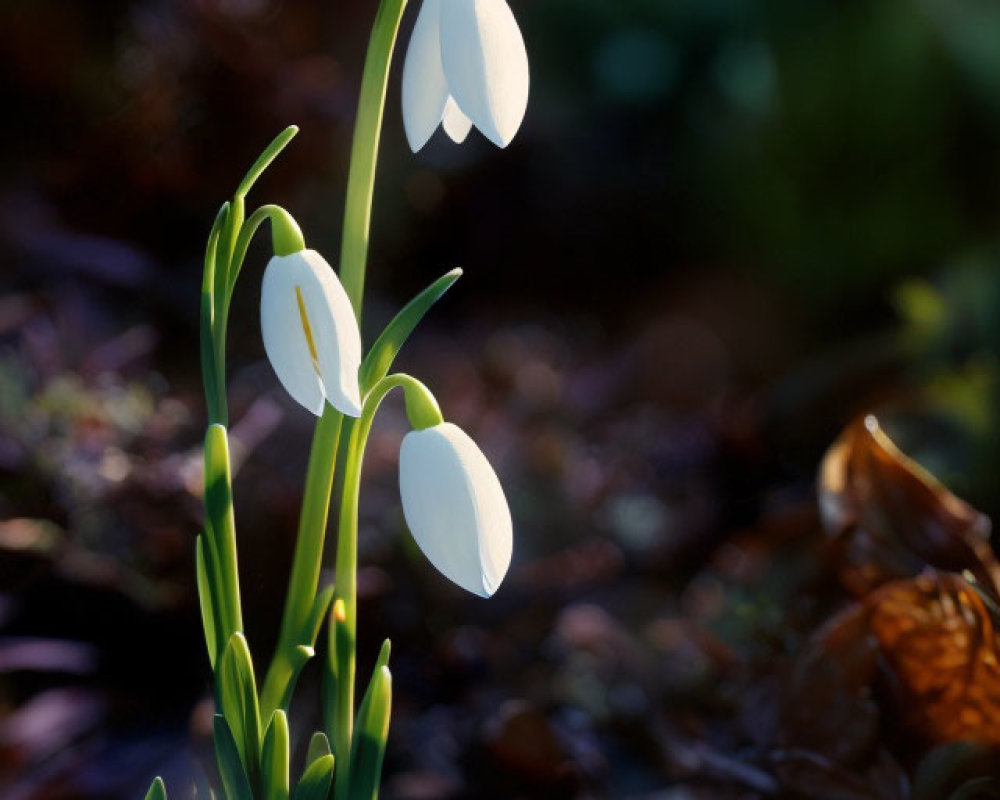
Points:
[[275, 756], [205, 601], [383, 352], [234, 778], [157, 791], [222, 527], [279, 143], [370, 735], [319, 746], [315, 783], [237, 695]]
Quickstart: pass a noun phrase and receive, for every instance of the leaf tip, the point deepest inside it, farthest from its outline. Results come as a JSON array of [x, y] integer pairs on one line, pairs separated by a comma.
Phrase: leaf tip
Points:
[[384, 653]]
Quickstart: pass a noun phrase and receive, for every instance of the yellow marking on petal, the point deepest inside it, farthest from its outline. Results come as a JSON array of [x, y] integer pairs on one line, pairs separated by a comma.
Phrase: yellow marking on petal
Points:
[[307, 330]]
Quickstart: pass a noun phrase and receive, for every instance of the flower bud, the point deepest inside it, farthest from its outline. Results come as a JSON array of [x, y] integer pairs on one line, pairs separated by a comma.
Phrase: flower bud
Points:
[[455, 507], [310, 333]]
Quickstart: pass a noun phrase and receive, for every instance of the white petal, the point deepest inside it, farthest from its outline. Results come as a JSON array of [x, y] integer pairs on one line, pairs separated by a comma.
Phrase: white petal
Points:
[[310, 332], [424, 89], [456, 124], [335, 333], [284, 338], [455, 507], [486, 65]]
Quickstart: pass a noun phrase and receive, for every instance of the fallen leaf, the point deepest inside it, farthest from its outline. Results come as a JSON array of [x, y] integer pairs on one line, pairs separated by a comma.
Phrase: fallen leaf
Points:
[[938, 640], [891, 517]]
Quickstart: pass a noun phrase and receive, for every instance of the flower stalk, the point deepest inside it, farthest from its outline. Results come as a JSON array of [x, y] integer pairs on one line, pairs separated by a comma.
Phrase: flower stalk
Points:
[[422, 409], [364, 151]]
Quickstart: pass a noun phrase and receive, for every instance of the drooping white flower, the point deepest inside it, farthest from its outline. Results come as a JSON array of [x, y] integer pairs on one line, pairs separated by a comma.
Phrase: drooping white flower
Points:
[[310, 332], [466, 65], [455, 507]]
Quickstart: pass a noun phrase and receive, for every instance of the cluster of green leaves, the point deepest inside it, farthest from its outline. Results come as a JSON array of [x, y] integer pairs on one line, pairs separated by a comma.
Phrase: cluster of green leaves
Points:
[[254, 759]]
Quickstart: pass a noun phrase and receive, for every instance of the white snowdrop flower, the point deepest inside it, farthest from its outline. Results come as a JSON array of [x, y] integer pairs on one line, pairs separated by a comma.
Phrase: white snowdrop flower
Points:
[[455, 507], [310, 332], [466, 65]]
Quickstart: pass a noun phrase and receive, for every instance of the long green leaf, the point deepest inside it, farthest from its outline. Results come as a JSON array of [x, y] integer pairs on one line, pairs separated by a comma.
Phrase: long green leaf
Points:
[[220, 525], [275, 757], [315, 783], [224, 255], [264, 159], [205, 601], [383, 352], [237, 696], [214, 391], [370, 735], [234, 777], [157, 791]]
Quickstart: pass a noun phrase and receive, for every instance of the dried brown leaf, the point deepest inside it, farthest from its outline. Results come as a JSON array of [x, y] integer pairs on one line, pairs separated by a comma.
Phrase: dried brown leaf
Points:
[[938, 640], [892, 518]]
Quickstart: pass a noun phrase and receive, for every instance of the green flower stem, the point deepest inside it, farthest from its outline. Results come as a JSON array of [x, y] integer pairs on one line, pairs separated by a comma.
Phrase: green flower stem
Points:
[[353, 263], [364, 151], [303, 581], [423, 411], [286, 238]]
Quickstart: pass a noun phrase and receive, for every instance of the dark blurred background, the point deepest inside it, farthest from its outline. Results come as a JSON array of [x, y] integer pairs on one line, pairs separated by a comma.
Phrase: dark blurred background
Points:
[[726, 228]]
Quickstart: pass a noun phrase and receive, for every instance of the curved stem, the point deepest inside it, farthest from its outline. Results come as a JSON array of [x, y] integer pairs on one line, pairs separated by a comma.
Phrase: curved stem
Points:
[[421, 405], [286, 238]]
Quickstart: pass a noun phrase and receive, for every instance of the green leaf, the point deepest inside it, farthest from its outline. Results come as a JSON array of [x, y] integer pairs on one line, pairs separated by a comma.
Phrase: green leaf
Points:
[[275, 758], [383, 352], [205, 601], [157, 791], [264, 159], [214, 389], [221, 527], [383, 654], [370, 735], [234, 777], [319, 746], [315, 783], [224, 254], [237, 697]]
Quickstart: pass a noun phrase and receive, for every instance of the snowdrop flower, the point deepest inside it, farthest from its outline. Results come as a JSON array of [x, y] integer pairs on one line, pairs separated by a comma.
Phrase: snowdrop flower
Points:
[[455, 507], [466, 65], [310, 332]]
